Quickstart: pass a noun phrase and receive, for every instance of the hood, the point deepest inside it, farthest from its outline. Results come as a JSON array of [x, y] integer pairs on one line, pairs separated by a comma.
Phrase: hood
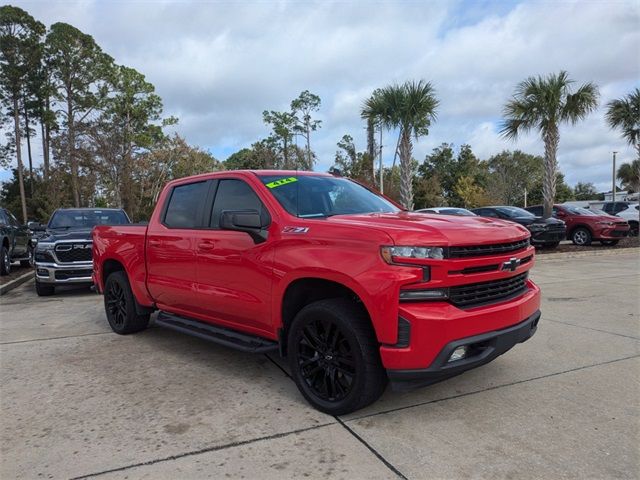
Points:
[[58, 234], [539, 220], [406, 228]]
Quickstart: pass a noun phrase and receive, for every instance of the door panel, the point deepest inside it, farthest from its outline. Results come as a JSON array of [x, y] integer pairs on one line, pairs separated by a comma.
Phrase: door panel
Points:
[[171, 255], [234, 273]]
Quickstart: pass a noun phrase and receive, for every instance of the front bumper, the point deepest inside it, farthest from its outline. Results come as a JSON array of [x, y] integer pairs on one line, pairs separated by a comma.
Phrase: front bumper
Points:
[[612, 233], [484, 348], [548, 236], [64, 274]]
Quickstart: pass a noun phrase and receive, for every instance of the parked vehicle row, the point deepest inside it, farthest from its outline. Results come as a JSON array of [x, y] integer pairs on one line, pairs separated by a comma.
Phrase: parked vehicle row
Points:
[[577, 224]]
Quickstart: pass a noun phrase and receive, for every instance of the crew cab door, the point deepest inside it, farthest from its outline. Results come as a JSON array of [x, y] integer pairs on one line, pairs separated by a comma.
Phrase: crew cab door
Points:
[[171, 248], [20, 237], [233, 270]]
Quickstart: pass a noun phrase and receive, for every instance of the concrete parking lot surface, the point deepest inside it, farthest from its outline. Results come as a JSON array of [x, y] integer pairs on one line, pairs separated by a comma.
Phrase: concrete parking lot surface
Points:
[[80, 401]]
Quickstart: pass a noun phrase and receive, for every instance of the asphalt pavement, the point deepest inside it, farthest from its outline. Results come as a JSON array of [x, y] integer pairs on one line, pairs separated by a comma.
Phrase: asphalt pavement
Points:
[[77, 401]]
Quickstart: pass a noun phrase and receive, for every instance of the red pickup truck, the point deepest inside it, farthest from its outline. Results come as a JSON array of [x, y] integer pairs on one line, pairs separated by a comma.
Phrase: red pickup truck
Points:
[[353, 290]]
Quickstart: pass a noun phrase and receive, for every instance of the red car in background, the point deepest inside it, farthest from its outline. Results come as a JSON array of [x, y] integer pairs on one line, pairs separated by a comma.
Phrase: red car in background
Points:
[[584, 226]]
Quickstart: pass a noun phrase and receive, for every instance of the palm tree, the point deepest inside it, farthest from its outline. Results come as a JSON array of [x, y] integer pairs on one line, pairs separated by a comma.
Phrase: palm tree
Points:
[[624, 114], [543, 103], [629, 175], [410, 108]]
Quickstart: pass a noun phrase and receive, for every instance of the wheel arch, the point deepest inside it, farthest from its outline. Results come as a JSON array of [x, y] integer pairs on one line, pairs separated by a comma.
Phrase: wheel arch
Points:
[[580, 225], [112, 265], [303, 291]]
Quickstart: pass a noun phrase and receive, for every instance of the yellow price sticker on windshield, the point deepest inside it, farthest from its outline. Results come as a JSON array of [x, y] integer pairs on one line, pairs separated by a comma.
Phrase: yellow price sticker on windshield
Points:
[[282, 181]]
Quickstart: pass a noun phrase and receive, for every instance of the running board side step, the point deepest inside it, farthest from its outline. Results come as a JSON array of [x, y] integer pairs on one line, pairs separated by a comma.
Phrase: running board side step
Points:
[[220, 335]]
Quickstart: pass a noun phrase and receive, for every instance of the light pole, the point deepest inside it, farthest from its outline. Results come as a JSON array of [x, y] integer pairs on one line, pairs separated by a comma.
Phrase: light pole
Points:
[[613, 179]]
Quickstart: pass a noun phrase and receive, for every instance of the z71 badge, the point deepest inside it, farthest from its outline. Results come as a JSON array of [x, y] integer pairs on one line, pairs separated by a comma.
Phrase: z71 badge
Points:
[[295, 229]]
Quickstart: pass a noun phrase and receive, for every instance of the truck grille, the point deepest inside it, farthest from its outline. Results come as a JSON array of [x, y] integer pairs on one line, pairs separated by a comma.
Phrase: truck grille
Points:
[[73, 252], [479, 250], [476, 294]]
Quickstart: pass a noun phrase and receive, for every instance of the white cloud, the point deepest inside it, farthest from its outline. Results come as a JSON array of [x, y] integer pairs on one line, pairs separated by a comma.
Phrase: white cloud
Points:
[[218, 65]]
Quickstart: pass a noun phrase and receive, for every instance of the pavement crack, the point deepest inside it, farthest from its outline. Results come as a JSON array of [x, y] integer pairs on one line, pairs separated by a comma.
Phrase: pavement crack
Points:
[[54, 338], [201, 451], [495, 387], [388, 464], [591, 328]]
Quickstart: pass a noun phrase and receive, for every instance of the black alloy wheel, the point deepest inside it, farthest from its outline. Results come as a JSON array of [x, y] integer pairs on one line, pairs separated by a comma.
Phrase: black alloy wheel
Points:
[[116, 304], [326, 360], [120, 305], [5, 260], [334, 356]]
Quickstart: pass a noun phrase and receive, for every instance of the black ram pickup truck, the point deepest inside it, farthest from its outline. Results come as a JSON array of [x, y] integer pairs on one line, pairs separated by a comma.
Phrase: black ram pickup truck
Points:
[[15, 242], [63, 254]]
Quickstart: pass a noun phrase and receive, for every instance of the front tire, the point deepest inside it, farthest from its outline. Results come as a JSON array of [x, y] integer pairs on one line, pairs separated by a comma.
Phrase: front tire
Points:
[[334, 356], [5, 261], [120, 306], [581, 236]]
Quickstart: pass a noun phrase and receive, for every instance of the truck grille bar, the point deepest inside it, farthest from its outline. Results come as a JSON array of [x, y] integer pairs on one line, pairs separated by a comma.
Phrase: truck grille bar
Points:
[[477, 294], [480, 250]]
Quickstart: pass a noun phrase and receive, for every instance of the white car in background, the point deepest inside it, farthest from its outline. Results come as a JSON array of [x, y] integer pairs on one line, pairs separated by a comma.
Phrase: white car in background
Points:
[[460, 212]]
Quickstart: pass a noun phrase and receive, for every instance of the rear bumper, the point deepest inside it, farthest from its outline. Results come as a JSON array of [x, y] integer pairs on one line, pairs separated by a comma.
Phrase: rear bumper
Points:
[[483, 348], [64, 274]]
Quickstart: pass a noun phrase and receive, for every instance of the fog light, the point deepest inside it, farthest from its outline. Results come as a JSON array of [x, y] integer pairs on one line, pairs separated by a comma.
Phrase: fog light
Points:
[[458, 354], [43, 272]]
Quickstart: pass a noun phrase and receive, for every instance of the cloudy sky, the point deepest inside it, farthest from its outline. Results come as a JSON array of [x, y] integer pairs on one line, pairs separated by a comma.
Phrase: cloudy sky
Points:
[[219, 64]]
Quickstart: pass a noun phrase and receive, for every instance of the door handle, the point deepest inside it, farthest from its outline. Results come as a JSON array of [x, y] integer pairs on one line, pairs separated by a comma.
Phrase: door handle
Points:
[[206, 245], [155, 243]]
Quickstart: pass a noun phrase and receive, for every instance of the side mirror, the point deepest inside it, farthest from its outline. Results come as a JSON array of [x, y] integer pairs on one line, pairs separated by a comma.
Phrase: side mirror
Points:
[[36, 226], [248, 221]]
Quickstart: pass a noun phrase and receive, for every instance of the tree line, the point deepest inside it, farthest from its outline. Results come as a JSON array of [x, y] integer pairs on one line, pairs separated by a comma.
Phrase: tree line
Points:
[[100, 125], [102, 134]]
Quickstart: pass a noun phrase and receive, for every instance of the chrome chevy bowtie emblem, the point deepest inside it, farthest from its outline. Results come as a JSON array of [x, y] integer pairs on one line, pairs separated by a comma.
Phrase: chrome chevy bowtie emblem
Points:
[[511, 265]]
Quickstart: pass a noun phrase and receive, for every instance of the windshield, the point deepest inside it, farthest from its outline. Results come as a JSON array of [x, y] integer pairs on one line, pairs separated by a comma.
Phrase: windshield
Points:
[[310, 196], [582, 211], [84, 219], [514, 212]]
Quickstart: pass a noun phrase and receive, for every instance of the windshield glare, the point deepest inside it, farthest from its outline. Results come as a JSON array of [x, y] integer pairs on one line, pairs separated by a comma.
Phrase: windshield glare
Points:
[[83, 219], [514, 212], [581, 211], [462, 212], [309, 196]]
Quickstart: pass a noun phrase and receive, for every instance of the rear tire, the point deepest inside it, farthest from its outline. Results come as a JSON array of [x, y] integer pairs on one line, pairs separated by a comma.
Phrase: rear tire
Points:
[[334, 356], [120, 306], [581, 236], [609, 243], [5, 261], [29, 261], [44, 290]]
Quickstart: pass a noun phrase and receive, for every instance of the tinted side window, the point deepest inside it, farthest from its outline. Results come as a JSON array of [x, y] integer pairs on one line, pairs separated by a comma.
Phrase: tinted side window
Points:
[[620, 207], [489, 213], [3, 219], [234, 194], [183, 210], [538, 211], [607, 207]]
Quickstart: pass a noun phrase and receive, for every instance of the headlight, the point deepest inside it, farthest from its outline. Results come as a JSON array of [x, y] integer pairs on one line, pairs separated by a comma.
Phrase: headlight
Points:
[[606, 223], [536, 227], [388, 253], [42, 246]]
